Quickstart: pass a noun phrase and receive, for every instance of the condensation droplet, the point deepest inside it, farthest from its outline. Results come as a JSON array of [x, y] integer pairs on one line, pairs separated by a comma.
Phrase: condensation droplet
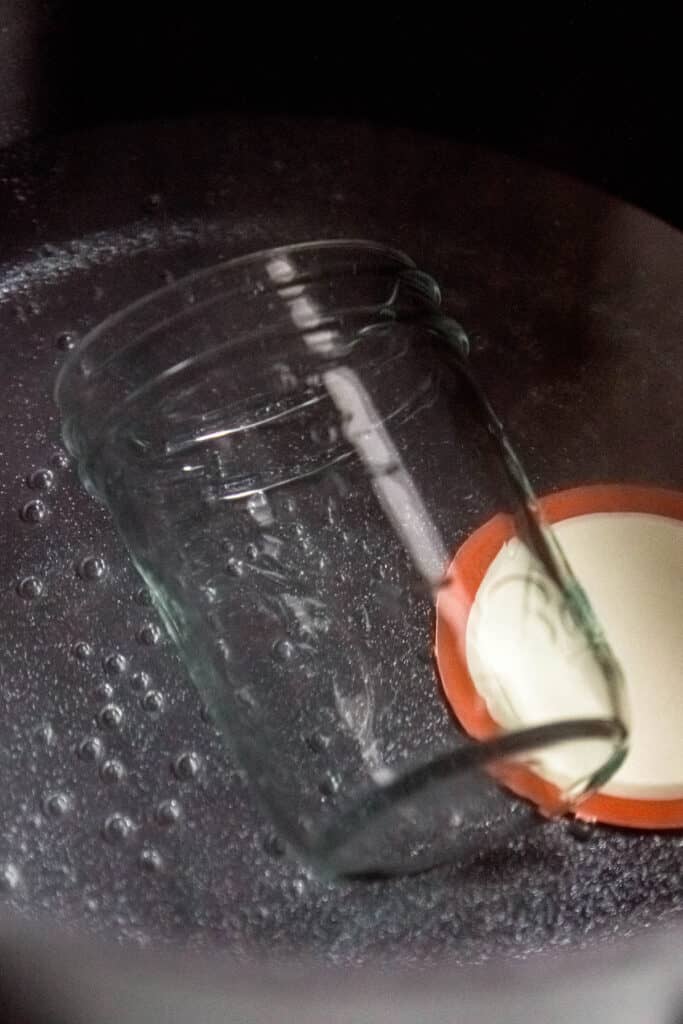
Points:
[[169, 812], [150, 860], [149, 634], [34, 511], [115, 664], [153, 702], [10, 878], [57, 805], [112, 771], [91, 568], [104, 691], [252, 552], [91, 749], [118, 828], [82, 651], [140, 682], [235, 567], [66, 341], [143, 597], [284, 650], [110, 716], [41, 479], [154, 201], [29, 588], [59, 460], [45, 734], [187, 766]]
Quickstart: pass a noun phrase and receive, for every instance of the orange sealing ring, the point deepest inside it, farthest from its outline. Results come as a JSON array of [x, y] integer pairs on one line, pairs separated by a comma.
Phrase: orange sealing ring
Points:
[[468, 567]]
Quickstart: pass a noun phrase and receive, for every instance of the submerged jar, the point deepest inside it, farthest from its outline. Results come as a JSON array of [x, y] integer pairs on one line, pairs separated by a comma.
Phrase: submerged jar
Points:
[[290, 444]]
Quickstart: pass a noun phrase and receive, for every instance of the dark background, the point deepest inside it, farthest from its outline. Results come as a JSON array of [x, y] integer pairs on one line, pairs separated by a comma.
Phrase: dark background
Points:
[[586, 87]]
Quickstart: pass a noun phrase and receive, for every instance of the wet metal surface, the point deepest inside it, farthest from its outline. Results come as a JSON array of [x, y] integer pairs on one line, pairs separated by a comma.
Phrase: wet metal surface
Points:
[[120, 812]]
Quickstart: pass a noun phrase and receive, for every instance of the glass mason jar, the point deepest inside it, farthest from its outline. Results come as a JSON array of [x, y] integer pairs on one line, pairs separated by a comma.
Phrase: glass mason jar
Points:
[[290, 444]]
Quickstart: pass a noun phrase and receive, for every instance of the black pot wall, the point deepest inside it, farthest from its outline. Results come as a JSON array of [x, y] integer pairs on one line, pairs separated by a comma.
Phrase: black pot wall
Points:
[[579, 88]]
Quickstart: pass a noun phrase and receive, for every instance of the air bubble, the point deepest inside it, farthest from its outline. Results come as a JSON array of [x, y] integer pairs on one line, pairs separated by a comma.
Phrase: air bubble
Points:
[[29, 588], [235, 567], [363, 617], [57, 805], [115, 664], [112, 771], [274, 845], [331, 511], [45, 734], [246, 698], [259, 509], [41, 479], [34, 511], [580, 830], [224, 649], [169, 812], [284, 650], [285, 378], [118, 829], [329, 786], [105, 691], [59, 460], [149, 634], [140, 682], [150, 860], [82, 651], [187, 766], [91, 568], [10, 878], [252, 551], [143, 597], [324, 433], [66, 341], [153, 702], [318, 743], [91, 749], [110, 717]]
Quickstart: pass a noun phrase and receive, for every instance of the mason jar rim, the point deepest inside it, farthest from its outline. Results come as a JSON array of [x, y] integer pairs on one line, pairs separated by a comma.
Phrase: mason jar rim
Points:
[[343, 245]]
